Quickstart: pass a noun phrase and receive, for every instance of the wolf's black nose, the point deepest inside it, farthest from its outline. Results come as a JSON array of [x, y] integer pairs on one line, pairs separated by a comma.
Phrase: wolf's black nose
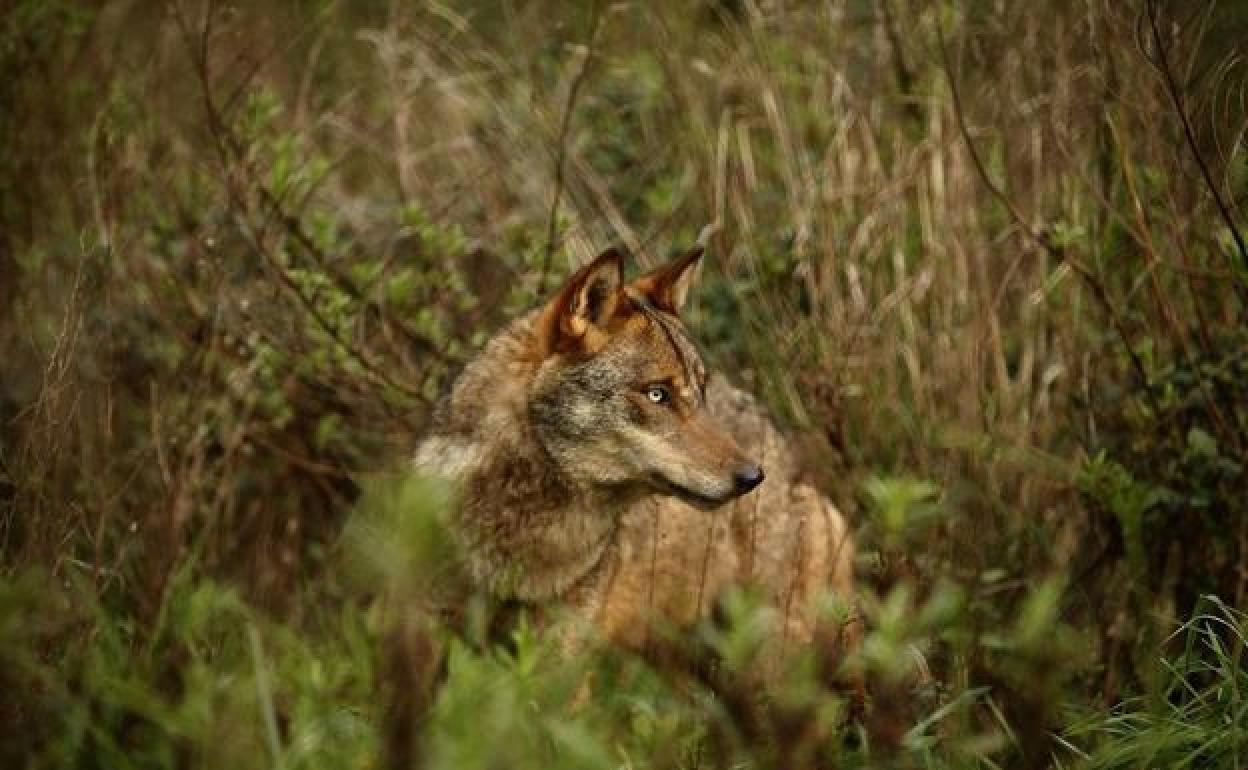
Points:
[[746, 477]]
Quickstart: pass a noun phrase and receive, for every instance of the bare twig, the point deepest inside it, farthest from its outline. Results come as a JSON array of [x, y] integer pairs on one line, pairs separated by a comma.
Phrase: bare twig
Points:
[[1162, 65], [561, 149]]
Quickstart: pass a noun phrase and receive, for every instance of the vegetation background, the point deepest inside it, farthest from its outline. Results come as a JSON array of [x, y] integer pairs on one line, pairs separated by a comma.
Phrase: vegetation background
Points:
[[984, 260]]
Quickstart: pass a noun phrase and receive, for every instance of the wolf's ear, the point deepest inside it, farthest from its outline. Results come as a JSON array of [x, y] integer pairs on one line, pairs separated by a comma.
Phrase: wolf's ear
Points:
[[668, 287], [578, 314]]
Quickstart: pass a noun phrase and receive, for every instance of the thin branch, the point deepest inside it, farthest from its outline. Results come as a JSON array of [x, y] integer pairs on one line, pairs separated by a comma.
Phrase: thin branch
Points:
[[1162, 64], [231, 155], [565, 124]]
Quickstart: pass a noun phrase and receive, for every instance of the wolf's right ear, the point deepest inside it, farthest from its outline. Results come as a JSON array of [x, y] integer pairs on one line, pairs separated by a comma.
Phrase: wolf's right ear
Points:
[[668, 287], [577, 316]]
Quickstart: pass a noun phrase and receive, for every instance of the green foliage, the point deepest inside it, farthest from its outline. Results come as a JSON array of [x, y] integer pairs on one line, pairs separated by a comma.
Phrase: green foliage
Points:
[[1196, 717], [397, 540], [902, 507], [1179, 465], [209, 681]]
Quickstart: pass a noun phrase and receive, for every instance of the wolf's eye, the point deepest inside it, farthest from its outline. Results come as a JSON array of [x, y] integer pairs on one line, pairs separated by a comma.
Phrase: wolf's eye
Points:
[[658, 394]]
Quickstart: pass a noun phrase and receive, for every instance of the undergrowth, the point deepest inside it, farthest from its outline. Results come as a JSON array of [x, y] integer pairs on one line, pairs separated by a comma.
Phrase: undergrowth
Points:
[[985, 263]]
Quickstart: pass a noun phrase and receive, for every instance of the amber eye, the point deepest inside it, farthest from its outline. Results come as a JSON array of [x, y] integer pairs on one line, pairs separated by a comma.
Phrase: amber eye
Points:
[[658, 394]]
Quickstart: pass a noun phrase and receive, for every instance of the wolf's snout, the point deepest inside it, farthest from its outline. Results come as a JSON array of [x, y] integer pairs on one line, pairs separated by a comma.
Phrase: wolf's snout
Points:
[[746, 477]]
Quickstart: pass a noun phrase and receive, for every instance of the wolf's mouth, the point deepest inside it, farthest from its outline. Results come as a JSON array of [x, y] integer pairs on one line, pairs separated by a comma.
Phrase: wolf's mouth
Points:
[[696, 499]]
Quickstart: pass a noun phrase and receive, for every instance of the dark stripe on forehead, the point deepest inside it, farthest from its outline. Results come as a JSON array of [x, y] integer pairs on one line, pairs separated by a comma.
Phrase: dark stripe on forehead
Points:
[[686, 351]]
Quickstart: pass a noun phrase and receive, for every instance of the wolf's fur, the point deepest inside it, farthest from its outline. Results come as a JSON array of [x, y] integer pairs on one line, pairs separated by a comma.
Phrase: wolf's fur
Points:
[[577, 491]]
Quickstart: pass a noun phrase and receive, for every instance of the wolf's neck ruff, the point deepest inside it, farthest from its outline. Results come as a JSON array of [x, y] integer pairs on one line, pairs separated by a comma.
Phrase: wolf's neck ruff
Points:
[[526, 531]]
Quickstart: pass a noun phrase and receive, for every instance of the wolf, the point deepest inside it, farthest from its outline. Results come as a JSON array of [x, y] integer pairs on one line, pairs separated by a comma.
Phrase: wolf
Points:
[[600, 470]]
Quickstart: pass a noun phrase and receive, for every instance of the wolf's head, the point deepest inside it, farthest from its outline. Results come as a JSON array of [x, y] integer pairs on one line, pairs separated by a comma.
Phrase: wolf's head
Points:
[[619, 397]]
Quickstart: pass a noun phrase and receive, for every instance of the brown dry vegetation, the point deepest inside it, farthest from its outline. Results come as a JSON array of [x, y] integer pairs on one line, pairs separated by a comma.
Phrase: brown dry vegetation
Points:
[[984, 261]]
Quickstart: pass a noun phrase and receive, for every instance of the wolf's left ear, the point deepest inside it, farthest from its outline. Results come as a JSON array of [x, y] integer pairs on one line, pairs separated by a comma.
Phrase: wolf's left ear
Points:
[[578, 314], [668, 287]]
